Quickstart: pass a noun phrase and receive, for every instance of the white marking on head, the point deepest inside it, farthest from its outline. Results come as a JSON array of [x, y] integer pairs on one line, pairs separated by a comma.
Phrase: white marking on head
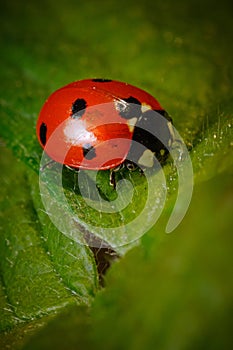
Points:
[[76, 133], [145, 107], [131, 123], [147, 159]]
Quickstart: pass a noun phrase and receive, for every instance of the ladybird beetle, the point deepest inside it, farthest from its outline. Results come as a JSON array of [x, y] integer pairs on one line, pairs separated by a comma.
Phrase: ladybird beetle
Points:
[[99, 118]]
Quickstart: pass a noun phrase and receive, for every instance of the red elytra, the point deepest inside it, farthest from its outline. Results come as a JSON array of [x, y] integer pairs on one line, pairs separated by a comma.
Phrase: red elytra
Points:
[[117, 89], [85, 125]]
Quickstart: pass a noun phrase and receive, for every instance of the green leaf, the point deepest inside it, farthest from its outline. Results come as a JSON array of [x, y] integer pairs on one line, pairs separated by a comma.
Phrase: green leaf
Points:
[[180, 53], [41, 270], [61, 332], [177, 295]]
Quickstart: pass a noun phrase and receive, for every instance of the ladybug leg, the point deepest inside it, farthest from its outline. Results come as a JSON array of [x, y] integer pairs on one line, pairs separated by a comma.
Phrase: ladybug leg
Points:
[[72, 169], [131, 166], [112, 178], [47, 165]]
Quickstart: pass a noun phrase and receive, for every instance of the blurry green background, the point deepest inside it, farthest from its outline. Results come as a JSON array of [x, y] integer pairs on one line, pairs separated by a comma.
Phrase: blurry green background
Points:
[[172, 291]]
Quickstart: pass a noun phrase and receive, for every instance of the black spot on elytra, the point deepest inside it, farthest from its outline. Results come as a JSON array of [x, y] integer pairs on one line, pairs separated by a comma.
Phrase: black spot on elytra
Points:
[[78, 108], [89, 151], [43, 133], [129, 107], [99, 80]]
